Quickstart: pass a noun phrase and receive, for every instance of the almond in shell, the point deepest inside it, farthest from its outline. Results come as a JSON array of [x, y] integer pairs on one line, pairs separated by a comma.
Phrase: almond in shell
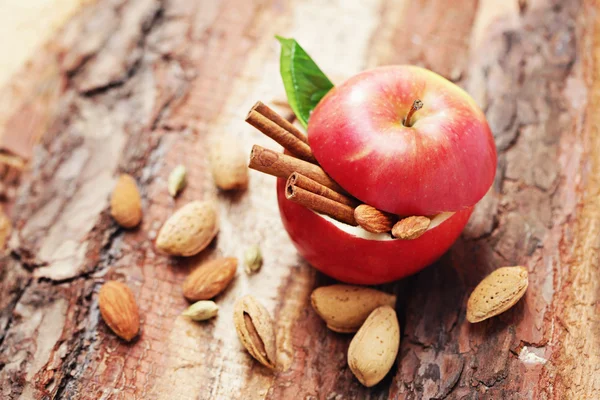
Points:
[[344, 308], [228, 163], [119, 309], [374, 348], [126, 202], [189, 230], [209, 279], [498, 292]]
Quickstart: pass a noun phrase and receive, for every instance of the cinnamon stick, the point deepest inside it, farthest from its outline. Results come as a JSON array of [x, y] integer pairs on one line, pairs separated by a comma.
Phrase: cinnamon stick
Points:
[[313, 186], [320, 204], [282, 136], [282, 166], [263, 109]]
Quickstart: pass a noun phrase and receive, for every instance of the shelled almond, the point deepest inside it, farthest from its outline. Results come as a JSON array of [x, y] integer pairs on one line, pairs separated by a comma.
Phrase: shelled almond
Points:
[[119, 309], [5, 229], [126, 202], [373, 220], [209, 279], [411, 227]]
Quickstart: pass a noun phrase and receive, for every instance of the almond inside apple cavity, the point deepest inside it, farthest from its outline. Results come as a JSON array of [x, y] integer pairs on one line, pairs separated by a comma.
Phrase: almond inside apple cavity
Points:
[[357, 231]]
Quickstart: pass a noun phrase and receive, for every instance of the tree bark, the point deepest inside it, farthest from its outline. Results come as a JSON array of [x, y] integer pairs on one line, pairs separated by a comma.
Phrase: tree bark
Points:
[[140, 86]]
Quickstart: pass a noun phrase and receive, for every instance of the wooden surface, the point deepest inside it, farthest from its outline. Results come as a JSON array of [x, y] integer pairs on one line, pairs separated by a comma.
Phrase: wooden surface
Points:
[[140, 86], [26, 25]]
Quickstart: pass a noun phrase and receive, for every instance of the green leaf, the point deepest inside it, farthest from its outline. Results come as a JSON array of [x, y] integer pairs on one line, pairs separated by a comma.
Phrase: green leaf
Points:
[[305, 83]]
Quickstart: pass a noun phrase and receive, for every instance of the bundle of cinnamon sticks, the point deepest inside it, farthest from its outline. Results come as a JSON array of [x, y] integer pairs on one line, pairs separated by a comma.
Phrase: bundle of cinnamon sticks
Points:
[[310, 186]]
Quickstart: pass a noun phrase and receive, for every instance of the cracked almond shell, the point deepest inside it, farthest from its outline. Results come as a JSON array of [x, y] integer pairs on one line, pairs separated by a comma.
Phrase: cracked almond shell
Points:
[[256, 330]]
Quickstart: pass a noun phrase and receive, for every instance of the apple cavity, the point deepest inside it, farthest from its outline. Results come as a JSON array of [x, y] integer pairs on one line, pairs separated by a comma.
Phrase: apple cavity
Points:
[[437, 160]]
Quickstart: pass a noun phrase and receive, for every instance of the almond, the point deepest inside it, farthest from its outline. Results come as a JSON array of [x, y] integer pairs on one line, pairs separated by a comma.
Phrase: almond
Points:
[[209, 279], [256, 330], [498, 292], [411, 227], [344, 308], [126, 203], [373, 220], [5, 229], [189, 230], [119, 309], [374, 348], [228, 163]]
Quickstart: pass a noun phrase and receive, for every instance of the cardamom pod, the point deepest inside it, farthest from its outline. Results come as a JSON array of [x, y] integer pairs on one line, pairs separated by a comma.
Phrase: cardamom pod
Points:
[[253, 259], [202, 310], [256, 330], [177, 180]]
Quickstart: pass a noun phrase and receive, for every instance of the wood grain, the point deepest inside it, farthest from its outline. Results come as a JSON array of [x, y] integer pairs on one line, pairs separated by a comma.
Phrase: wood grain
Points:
[[140, 86]]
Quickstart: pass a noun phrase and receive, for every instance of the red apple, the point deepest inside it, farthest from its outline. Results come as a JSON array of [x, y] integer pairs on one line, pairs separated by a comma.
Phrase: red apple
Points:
[[440, 163], [444, 161]]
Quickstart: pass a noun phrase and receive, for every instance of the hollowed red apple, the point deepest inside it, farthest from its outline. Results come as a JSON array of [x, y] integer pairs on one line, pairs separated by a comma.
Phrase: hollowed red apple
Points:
[[337, 250], [440, 163]]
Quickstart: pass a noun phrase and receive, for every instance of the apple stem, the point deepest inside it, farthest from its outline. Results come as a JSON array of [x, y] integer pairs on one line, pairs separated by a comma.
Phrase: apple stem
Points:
[[417, 105]]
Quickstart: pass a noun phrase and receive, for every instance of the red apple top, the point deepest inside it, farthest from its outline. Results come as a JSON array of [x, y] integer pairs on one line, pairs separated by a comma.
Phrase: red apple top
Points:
[[443, 159]]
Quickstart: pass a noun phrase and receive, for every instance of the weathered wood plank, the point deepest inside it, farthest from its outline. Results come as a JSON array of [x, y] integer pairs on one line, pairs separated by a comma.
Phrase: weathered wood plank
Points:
[[145, 85]]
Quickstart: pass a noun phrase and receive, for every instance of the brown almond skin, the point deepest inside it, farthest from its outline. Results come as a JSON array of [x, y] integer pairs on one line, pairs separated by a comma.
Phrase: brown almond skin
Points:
[[256, 330], [374, 348], [498, 292], [209, 279], [373, 220], [5, 229], [411, 228], [119, 309], [344, 308], [189, 230], [126, 202]]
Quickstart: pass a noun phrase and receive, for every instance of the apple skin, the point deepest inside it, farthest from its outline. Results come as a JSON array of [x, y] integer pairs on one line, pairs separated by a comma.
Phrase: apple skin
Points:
[[445, 161], [355, 260]]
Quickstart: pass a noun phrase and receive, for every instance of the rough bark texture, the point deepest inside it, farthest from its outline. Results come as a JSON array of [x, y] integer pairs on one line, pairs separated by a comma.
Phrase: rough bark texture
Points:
[[140, 86]]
